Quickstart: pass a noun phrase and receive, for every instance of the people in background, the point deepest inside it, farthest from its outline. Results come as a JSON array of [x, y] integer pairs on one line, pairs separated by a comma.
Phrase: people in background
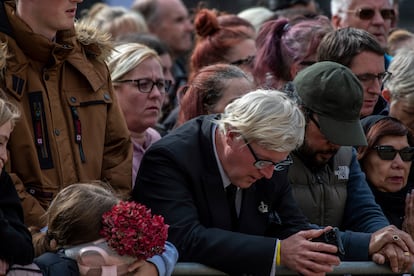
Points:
[[115, 20], [232, 20], [230, 44], [361, 52], [285, 47], [256, 16], [170, 21], [399, 39], [163, 52], [386, 162], [376, 17], [220, 44], [140, 86], [211, 89], [399, 89], [278, 5]]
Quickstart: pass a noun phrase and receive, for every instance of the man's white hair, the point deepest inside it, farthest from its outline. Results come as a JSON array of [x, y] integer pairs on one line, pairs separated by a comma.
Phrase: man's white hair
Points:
[[401, 83], [266, 117]]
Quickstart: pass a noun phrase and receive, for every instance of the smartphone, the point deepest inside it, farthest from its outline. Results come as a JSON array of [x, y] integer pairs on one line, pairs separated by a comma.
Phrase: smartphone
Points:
[[332, 237]]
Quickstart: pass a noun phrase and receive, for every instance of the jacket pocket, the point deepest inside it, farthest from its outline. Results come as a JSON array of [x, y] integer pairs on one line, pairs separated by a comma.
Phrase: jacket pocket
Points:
[[84, 106]]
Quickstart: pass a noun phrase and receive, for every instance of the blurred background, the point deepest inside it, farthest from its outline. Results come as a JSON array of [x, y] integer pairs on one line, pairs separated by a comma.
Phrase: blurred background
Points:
[[235, 6]]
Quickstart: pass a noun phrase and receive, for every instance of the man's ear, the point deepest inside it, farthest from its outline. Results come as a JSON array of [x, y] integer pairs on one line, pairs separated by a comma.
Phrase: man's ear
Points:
[[386, 94], [336, 21], [231, 137]]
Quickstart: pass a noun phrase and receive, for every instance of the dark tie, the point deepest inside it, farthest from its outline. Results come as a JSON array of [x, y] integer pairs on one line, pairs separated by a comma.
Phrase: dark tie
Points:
[[231, 191]]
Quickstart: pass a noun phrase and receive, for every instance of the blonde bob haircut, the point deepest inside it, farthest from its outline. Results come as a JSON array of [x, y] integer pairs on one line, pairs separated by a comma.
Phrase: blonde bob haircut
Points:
[[266, 117], [126, 57]]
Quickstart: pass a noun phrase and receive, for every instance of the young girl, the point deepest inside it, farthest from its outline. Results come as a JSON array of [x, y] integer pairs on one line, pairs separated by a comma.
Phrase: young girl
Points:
[[74, 221]]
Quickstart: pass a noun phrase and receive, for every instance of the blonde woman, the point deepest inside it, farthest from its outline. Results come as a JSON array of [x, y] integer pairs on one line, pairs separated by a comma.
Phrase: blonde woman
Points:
[[141, 86], [16, 244]]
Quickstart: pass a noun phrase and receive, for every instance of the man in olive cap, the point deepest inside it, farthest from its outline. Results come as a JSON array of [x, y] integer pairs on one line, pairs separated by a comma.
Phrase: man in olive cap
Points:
[[326, 178]]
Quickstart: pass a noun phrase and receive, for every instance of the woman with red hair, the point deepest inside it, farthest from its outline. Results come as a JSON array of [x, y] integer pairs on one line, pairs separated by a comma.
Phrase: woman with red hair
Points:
[[220, 43]]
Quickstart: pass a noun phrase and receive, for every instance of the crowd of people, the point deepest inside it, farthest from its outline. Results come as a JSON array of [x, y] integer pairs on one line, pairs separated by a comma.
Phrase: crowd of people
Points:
[[250, 135]]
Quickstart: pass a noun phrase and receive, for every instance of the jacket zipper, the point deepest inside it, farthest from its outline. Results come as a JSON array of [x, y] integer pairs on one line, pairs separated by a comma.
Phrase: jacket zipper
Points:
[[78, 132]]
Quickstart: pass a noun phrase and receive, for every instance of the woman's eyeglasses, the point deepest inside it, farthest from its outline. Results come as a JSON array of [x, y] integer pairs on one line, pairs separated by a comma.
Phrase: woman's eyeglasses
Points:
[[146, 85], [368, 14], [389, 153]]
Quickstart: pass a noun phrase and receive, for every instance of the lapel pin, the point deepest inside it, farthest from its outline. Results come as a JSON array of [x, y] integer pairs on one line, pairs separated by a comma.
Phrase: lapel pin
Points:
[[263, 208]]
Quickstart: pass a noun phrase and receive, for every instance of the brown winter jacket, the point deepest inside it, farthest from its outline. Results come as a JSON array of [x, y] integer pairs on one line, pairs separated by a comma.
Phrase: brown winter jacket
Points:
[[71, 129]]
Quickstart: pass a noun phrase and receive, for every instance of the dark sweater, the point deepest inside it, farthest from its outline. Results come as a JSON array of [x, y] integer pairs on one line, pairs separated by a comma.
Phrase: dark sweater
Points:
[[392, 204], [15, 239]]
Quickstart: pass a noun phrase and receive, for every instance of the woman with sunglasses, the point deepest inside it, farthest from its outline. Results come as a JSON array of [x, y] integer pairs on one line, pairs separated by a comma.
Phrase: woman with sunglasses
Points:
[[386, 162]]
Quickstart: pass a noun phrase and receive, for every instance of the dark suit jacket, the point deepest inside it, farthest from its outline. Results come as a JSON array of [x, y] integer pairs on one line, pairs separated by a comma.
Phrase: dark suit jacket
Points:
[[179, 179]]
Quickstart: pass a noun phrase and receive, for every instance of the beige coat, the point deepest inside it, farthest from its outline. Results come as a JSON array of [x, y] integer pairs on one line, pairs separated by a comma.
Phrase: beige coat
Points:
[[71, 129]]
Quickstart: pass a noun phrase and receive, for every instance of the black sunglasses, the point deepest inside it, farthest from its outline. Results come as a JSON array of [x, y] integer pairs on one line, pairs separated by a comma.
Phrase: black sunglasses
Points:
[[389, 153], [368, 14]]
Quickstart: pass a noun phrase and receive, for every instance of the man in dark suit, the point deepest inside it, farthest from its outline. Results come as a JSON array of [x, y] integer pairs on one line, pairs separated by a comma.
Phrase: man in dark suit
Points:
[[184, 177]]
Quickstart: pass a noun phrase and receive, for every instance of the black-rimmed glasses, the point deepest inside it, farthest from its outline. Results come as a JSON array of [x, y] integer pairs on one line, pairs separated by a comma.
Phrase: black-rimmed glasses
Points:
[[367, 77], [368, 14], [389, 153], [146, 85], [262, 164]]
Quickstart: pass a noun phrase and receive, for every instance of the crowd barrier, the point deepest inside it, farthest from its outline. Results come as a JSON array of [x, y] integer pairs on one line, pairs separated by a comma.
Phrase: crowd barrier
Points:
[[354, 268]]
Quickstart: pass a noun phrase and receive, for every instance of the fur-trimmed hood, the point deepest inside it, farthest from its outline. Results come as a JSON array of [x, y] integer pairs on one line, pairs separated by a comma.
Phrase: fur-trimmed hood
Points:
[[96, 42]]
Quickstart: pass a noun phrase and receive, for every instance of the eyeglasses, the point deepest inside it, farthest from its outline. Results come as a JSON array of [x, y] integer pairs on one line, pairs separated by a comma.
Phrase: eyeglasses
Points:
[[368, 77], [247, 61], [146, 85], [368, 14], [262, 164], [389, 153]]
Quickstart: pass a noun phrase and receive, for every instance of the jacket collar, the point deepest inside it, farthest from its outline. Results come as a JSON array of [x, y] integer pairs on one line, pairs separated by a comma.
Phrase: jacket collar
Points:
[[38, 47]]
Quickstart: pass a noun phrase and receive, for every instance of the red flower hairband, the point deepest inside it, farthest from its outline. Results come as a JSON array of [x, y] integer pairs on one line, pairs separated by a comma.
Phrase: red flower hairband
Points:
[[130, 229]]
